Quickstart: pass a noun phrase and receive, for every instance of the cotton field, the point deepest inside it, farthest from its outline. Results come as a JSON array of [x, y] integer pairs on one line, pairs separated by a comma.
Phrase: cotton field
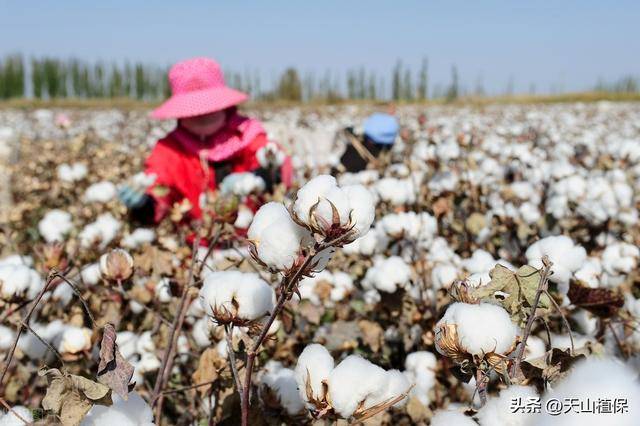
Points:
[[486, 265]]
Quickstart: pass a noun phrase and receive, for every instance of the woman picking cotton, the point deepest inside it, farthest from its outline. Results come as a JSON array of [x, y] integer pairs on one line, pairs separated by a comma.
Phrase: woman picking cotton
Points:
[[212, 146]]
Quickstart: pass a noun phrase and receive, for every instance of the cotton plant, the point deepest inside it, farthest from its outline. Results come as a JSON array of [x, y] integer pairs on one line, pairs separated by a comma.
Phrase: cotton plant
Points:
[[388, 274], [567, 258], [477, 337], [353, 389]]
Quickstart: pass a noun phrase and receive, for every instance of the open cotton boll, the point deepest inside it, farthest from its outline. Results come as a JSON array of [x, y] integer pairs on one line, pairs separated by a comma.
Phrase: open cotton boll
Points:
[[243, 296], [101, 232], [443, 275], [387, 274], [282, 381], [451, 418], [370, 243], [242, 184], [497, 410], [268, 214], [55, 225], [139, 237], [74, 340], [443, 182], [91, 274], [356, 383], [420, 370], [244, 218], [620, 258], [279, 245], [396, 191], [201, 332], [18, 280], [362, 208], [592, 380], [162, 290], [316, 190], [481, 328], [535, 348], [270, 155], [71, 173], [590, 272], [133, 412], [6, 337], [315, 363], [565, 255], [480, 261], [11, 419], [100, 192]]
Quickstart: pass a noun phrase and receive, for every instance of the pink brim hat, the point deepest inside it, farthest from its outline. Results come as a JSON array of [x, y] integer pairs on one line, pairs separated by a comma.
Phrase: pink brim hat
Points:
[[198, 102]]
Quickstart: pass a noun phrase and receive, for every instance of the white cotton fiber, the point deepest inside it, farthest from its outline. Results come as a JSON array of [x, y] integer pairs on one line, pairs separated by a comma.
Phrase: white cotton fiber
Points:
[[253, 296], [451, 418], [101, 232], [138, 237], [387, 274], [420, 369], [133, 412], [594, 379], [497, 409], [314, 363], [283, 383], [10, 419], [565, 255], [481, 328], [353, 381], [100, 192], [71, 173], [55, 225]]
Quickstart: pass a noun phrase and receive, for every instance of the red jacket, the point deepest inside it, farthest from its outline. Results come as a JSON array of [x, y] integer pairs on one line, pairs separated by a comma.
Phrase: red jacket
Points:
[[184, 176]]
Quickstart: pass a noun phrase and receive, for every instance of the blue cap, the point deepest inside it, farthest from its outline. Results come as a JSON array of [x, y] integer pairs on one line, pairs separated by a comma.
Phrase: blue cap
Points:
[[381, 128]]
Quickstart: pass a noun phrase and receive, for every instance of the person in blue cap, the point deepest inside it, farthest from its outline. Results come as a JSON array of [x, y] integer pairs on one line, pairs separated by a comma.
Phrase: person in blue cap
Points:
[[379, 133]]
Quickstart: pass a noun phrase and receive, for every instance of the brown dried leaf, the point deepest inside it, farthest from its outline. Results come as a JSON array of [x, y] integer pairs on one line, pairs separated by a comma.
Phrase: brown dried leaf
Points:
[[208, 370], [71, 397], [371, 334], [113, 370], [601, 302]]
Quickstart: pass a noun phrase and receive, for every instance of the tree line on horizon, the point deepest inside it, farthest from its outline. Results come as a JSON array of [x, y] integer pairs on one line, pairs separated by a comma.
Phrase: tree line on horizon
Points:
[[54, 78]]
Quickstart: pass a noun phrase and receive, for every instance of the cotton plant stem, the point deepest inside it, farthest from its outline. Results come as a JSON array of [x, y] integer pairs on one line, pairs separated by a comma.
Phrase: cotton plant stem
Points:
[[542, 288], [167, 358], [25, 320], [228, 331], [289, 283], [564, 321], [77, 293]]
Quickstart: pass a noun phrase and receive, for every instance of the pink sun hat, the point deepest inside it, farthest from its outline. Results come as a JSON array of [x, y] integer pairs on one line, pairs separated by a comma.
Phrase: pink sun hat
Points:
[[197, 87]]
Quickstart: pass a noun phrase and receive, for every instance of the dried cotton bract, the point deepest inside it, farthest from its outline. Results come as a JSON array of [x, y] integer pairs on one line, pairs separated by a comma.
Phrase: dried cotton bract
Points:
[[236, 297]]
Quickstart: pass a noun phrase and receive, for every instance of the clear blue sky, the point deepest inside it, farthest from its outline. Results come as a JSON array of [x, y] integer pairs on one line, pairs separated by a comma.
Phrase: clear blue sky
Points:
[[566, 45]]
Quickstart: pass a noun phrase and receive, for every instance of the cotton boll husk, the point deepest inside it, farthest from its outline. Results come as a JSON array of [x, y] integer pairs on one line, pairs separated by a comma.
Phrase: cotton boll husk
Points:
[[565, 255], [133, 412], [362, 205], [311, 192], [11, 419], [314, 363], [451, 418], [353, 381], [593, 379], [481, 328], [55, 225], [283, 382], [100, 192], [497, 409]]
